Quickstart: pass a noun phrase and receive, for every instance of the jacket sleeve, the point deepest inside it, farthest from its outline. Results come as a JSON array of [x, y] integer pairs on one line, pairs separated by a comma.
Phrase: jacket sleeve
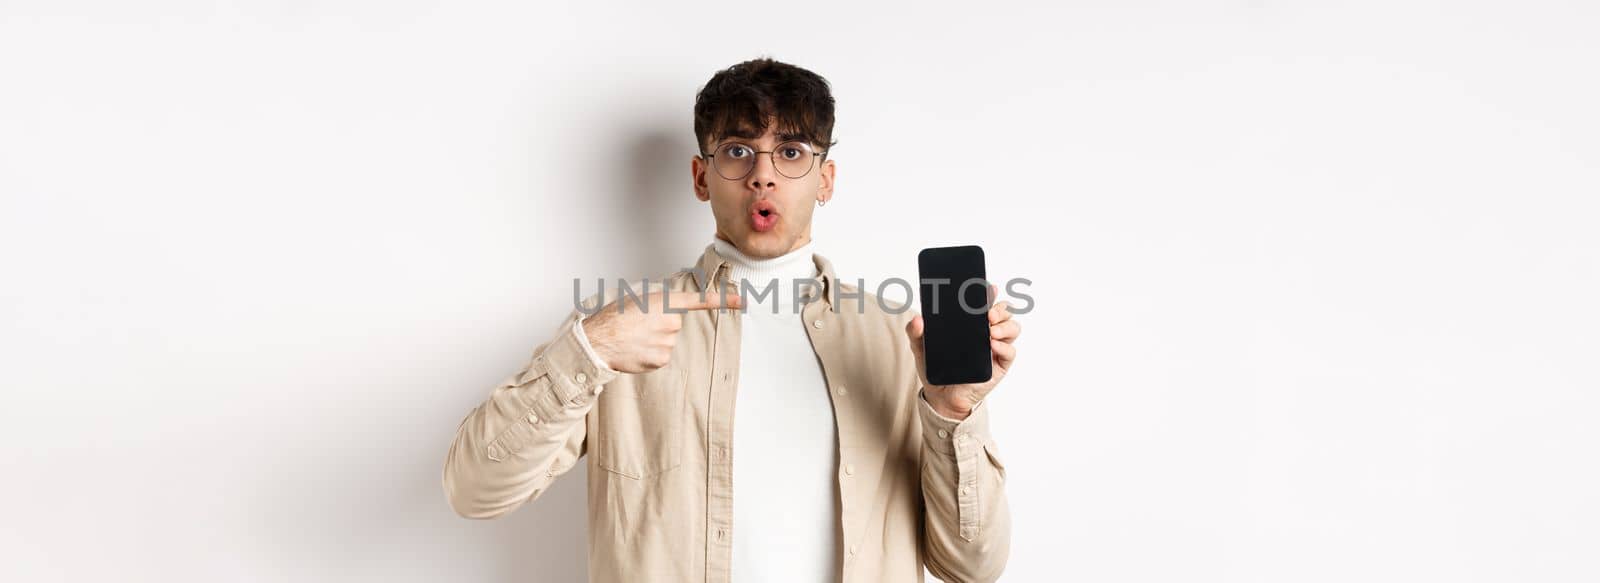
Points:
[[530, 430], [967, 523]]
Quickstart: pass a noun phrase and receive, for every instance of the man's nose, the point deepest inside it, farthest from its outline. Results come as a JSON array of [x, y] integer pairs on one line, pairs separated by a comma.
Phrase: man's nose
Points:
[[763, 175]]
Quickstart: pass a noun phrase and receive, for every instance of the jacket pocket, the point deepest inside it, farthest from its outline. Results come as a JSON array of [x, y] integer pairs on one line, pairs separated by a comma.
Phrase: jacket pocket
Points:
[[994, 459], [641, 423]]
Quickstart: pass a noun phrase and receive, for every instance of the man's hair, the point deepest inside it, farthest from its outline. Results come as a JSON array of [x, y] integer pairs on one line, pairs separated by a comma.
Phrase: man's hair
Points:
[[739, 100]]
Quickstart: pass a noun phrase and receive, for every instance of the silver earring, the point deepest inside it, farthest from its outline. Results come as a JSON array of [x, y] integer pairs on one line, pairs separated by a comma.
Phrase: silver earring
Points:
[[821, 202]]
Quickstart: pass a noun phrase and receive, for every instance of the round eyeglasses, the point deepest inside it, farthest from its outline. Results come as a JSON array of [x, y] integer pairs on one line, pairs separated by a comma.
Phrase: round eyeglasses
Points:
[[734, 160]]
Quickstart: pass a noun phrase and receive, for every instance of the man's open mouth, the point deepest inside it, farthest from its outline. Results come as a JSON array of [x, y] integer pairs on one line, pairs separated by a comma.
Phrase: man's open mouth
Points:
[[763, 216]]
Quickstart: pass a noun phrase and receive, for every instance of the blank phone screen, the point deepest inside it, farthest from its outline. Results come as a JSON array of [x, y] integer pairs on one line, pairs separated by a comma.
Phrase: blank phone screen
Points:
[[955, 314]]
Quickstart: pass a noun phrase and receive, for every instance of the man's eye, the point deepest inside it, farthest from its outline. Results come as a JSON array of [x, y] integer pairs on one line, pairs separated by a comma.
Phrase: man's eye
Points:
[[791, 153], [738, 151]]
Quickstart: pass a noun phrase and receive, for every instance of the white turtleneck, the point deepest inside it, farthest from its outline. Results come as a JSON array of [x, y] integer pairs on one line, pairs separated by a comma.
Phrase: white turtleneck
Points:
[[785, 443]]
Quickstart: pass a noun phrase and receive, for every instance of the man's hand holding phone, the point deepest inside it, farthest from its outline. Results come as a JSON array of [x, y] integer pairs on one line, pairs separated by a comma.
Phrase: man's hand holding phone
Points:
[[956, 401]]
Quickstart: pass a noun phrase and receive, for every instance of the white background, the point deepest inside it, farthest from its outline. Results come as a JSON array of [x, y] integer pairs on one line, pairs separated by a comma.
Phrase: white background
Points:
[[1314, 284]]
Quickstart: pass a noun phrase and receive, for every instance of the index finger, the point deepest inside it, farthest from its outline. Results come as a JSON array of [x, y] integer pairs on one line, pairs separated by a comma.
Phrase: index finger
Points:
[[692, 301]]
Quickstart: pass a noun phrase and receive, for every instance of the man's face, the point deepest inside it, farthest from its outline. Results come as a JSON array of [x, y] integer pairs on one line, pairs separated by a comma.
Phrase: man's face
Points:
[[765, 214]]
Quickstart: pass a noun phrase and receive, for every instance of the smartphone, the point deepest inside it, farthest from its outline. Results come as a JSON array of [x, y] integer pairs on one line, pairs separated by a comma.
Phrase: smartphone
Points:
[[955, 315]]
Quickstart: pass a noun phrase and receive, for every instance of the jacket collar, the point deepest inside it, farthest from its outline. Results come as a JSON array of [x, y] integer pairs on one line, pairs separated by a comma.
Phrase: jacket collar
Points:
[[714, 267]]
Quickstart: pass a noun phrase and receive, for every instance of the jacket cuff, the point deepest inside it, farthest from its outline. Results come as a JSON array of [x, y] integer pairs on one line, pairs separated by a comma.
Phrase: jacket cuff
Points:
[[575, 374], [949, 436]]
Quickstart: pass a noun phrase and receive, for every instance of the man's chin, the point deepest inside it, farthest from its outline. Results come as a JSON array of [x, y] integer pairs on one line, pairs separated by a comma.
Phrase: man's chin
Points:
[[764, 245]]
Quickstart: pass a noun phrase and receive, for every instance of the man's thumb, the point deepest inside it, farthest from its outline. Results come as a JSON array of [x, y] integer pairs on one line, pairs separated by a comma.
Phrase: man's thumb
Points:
[[914, 332]]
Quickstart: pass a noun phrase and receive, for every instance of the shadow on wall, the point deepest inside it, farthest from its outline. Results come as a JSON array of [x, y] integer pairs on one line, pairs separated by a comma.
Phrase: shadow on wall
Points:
[[652, 206], [547, 539], [653, 216], [662, 216]]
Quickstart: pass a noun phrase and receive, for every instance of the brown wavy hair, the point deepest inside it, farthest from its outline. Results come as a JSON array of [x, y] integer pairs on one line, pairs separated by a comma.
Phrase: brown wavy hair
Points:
[[740, 100]]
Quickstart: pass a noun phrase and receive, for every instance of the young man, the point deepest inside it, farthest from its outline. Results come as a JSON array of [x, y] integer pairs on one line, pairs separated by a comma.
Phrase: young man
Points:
[[844, 464]]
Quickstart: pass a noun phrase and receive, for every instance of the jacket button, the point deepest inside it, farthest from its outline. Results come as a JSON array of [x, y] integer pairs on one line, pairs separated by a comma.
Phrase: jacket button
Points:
[[816, 324], [849, 470], [581, 378], [841, 390], [943, 434]]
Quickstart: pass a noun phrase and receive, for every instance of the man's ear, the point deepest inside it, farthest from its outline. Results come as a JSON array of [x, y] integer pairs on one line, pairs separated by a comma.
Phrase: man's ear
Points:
[[825, 184], [697, 175]]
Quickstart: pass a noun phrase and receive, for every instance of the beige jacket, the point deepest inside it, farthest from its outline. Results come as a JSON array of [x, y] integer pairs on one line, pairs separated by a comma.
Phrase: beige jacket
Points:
[[915, 488]]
